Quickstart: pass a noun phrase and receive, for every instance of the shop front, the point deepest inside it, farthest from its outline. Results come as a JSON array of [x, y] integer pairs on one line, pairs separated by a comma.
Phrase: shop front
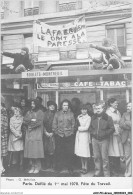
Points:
[[88, 86], [87, 89]]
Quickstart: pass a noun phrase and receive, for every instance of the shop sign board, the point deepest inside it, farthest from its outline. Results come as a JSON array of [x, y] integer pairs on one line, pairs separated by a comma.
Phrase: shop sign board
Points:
[[38, 74], [77, 85], [47, 85]]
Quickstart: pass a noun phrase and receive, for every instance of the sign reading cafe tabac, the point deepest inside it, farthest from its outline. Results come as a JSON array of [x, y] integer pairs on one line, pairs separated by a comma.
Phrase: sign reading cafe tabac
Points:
[[61, 35], [80, 85]]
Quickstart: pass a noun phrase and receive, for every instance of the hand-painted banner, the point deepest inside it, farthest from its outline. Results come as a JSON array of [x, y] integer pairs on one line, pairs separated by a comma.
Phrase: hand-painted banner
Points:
[[59, 36]]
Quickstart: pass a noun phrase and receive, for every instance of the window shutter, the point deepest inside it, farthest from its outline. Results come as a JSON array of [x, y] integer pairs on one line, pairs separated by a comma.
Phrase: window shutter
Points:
[[21, 8], [41, 7], [79, 4]]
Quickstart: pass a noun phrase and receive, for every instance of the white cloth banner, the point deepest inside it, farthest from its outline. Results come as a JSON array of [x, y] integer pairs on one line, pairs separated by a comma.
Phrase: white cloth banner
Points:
[[59, 36]]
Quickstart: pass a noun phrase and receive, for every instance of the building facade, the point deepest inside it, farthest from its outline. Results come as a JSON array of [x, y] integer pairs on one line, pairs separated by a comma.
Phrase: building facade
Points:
[[81, 80]]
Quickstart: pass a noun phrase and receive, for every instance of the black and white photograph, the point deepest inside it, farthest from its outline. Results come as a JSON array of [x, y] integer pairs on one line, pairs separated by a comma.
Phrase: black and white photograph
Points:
[[66, 90]]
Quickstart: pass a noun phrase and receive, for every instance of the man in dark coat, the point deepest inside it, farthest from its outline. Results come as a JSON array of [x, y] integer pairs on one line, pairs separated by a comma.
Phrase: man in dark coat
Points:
[[101, 129], [21, 61]]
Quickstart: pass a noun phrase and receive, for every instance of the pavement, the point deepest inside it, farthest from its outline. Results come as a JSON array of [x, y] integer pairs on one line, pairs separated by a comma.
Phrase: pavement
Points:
[[16, 172]]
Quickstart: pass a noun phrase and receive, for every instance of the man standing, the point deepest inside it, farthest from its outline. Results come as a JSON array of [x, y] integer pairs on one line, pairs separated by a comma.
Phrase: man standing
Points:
[[126, 125], [63, 128], [100, 129]]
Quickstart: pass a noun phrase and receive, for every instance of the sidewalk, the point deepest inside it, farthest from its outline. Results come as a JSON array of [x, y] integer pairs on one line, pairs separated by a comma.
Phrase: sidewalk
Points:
[[16, 172]]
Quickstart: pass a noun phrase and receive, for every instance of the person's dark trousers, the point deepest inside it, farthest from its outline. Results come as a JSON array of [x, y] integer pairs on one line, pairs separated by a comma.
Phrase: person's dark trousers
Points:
[[115, 165], [101, 160], [64, 149]]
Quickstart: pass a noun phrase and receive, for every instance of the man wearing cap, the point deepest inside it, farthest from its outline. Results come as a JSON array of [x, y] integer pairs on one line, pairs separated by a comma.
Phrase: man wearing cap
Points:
[[21, 61]]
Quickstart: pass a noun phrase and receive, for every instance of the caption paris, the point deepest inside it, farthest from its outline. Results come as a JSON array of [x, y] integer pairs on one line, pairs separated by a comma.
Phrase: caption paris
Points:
[[67, 183]]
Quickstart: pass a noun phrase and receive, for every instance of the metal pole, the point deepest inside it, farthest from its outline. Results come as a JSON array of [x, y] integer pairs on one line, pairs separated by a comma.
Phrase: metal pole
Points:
[[57, 93], [101, 90], [127, 95], [101, 94], [35, 50]]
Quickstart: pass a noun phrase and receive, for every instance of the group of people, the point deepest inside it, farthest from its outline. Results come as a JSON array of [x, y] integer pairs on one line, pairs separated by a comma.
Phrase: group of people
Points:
[[32, 134], [109, 59]]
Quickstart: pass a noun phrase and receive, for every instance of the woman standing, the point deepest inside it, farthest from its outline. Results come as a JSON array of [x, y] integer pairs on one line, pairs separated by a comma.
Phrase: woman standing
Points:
[[82, 140], [4, 134], [15, 144], [49, 142], [34, 137], [115, 145]]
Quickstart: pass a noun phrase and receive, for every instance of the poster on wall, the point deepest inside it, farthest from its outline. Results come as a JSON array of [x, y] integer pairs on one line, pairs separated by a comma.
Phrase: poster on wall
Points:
[[49, 36]]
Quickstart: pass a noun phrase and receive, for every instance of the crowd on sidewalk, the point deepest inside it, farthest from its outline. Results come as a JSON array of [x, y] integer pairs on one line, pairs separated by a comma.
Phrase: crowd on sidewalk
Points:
[[33, 136]]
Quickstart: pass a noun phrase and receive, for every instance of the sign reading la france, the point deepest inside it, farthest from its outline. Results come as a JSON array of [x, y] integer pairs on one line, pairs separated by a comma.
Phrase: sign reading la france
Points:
[[60, 36]]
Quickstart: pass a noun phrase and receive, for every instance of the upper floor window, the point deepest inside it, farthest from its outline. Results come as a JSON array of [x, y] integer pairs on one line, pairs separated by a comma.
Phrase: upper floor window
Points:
[[68, 5], [2, 15], [31, 8], [2, 7], [117, 34]]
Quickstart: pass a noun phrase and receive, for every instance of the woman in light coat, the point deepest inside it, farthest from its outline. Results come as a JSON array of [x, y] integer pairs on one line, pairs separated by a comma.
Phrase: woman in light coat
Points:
[[82, 140], [15, 143], [115, 145], [33, 149]]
